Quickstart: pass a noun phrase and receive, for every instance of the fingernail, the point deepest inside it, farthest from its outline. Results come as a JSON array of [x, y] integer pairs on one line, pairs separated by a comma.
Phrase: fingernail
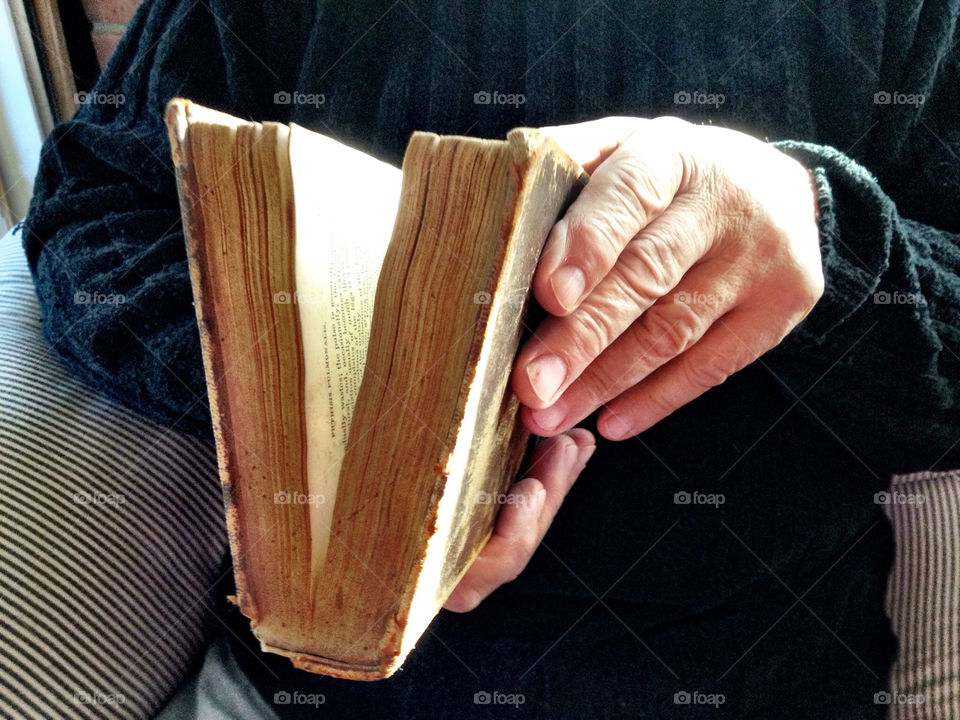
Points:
[[550, 418], [546, 375], [617, 427], [538, 499], [568, 283]]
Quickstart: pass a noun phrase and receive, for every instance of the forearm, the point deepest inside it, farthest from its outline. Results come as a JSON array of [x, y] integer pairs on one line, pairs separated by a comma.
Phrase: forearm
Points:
[[105, 225]]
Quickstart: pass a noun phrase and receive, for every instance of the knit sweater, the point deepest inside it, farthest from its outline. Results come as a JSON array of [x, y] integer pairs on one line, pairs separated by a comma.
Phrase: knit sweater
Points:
[[773, 598]]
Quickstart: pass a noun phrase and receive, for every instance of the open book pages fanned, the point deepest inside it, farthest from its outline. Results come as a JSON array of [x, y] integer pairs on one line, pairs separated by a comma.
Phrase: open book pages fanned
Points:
[[358, 325]]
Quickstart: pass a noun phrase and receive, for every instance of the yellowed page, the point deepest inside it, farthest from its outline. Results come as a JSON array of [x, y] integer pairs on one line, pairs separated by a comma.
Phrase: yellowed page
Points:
[[345, 202]]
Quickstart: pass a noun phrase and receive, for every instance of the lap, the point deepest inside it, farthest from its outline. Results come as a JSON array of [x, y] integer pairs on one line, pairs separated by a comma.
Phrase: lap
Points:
[[111, 533]]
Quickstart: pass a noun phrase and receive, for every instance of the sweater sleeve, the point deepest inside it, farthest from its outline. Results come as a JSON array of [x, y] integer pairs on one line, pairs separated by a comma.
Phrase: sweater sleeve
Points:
[[103, 236], [875, 364]]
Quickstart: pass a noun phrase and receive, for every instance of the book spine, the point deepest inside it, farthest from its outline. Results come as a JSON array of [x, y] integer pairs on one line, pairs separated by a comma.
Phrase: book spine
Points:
[[178, 127]]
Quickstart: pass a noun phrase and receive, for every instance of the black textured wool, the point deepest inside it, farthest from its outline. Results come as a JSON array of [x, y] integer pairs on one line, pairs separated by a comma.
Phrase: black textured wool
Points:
[[774, 599]]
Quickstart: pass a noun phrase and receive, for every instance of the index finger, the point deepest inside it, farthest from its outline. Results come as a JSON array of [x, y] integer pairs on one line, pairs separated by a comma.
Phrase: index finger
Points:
[[590, 143], [633, 184]]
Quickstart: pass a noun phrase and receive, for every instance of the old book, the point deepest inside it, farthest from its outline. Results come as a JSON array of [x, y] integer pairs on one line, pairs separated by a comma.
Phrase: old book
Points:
[[358, 325]]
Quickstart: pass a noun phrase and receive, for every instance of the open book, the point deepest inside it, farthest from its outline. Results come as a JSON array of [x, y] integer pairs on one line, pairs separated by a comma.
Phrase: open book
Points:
[[358, 325]]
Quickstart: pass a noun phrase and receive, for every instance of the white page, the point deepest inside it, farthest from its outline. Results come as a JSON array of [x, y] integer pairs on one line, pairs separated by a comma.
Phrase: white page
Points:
[[346, 202]]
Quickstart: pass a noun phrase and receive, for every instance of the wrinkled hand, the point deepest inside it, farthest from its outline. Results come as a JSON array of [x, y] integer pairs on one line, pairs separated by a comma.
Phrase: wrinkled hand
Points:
[[691, 252], [524, 517]]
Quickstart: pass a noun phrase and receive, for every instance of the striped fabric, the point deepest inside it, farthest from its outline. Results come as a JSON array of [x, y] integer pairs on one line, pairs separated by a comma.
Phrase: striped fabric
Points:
[[923, 596], [111, 535]]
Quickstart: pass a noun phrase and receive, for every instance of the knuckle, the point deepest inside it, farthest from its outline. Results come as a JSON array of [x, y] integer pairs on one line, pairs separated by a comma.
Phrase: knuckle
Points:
[[594, 239], [691, 171], [650, 267], [743, 210], [605, 380], [669, 333], [794, 271], [680, 138], [774, 242], [674, 123], [590, 331], [639, 187], [626, 295], [710, 371], [802, 286]]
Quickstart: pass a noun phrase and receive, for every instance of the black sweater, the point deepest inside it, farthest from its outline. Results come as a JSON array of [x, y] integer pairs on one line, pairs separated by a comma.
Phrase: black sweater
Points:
[[863, 93]]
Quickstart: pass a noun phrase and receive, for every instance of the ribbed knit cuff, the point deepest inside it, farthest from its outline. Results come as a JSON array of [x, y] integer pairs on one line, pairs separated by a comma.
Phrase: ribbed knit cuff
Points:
[[856, 222]]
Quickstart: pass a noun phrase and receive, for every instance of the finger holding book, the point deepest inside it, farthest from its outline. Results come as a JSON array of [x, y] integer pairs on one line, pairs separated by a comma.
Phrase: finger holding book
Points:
[[527, 513], [691, 252]]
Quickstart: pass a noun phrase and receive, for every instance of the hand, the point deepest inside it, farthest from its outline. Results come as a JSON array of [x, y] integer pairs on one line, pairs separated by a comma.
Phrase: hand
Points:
[[691, 252], [524, 518]]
